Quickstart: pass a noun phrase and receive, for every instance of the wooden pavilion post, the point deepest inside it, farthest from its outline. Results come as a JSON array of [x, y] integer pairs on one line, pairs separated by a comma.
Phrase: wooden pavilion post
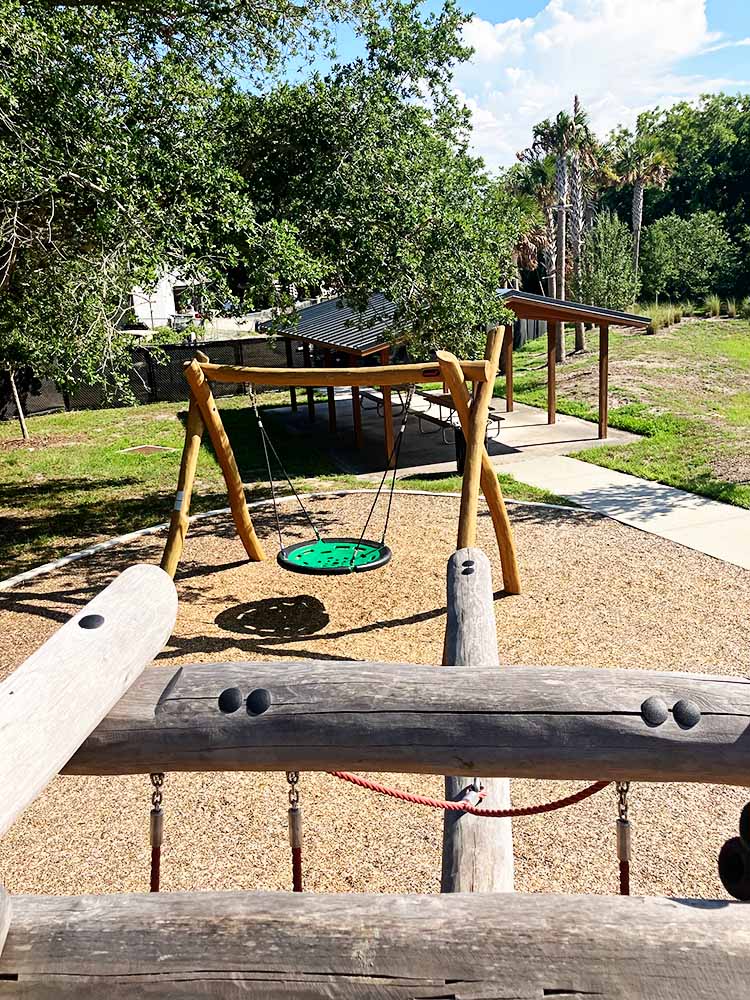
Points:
[[328, 358], [206, 403], [290, 364], [508, 366], [603, 379], [385, 356], [454, 379], [553, 334], [310, 390], [357, 416]]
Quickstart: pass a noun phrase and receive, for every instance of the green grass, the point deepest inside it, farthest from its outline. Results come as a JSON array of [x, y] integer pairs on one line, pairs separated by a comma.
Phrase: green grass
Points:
[[72, 484], [684, 389]]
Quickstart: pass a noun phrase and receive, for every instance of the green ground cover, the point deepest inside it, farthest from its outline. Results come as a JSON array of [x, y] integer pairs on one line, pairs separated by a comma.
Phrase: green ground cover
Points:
[[72, 484], [686, 389]]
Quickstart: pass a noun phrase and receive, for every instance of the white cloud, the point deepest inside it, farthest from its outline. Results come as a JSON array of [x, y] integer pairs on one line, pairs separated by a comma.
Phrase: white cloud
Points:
[[619, 57]]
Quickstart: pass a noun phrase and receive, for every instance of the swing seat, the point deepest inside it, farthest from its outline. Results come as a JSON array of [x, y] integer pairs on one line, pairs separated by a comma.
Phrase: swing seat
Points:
[[334, 556]]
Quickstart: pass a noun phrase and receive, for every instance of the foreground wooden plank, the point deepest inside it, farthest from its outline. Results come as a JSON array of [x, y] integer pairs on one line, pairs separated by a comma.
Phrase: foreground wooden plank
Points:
[[534, 722], [51, 703], [412, 374], [234, 945], [477, 853]]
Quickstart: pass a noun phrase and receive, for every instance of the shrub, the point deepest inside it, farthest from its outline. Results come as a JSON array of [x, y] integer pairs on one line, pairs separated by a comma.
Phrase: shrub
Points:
[[677, 309], [712, 305], [731, 308], [661, 316], [690, 257], [744, 309], [688, 308], [607, 277]]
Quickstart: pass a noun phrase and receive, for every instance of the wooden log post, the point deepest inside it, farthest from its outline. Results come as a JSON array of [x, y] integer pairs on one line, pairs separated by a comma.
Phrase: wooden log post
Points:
[[4, 917], [477, 853], [225, 456], [553, 335], [307, 359], [452, 375], [508, 366], [290, 364], [235, 945], [50, 704], [603, 380], [180, 517]]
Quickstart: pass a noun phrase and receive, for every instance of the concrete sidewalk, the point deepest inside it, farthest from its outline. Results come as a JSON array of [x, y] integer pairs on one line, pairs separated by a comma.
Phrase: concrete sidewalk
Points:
[[718, 529]]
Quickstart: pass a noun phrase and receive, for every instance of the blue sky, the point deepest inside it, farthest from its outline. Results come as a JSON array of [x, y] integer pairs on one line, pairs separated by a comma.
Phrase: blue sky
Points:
[[620, 56]]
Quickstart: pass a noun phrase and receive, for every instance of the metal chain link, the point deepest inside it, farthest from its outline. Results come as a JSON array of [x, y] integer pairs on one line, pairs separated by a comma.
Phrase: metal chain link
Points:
[[157, 780], [293, 778], [623, 787]]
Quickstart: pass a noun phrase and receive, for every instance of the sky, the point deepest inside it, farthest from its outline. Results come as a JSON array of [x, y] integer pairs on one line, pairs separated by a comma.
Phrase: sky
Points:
[[620, 56]]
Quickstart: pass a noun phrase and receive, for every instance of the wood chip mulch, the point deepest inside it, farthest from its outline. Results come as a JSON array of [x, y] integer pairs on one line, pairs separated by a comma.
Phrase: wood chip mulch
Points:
[[596, 593]]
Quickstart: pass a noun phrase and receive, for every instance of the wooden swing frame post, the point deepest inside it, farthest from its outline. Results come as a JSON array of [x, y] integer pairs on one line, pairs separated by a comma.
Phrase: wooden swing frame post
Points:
[[478, 469]]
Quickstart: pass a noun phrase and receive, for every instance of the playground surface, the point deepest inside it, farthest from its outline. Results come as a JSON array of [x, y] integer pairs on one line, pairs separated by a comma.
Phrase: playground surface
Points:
[[595, 592]]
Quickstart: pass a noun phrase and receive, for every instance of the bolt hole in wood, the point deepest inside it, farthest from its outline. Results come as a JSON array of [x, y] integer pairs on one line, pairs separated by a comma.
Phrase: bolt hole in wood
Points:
[[258, 701], [91, 621], [230, 700]]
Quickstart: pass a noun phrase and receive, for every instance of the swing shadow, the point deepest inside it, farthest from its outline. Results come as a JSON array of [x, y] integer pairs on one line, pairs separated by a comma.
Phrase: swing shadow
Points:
[[267, 625]]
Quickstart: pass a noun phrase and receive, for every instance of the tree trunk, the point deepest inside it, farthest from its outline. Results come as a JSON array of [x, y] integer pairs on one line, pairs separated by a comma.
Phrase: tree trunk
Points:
[[550, 253], [19, 407], [638, 189], [561, 188], [576, 235]]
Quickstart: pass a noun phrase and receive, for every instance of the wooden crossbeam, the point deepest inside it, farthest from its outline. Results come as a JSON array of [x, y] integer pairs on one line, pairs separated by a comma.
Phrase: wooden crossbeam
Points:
[[381, 375], [282, 945], [531, 722]]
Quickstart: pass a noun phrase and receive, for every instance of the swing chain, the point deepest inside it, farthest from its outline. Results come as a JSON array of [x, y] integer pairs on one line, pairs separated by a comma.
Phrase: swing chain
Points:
[[293, 778], [157, 780], [623, 787]]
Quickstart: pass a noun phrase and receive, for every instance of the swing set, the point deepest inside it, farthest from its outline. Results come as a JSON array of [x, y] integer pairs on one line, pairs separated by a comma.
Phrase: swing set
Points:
[[357, 553]]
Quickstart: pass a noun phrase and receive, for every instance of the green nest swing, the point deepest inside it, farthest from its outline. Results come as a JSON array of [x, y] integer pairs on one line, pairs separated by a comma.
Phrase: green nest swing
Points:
[[340, 555]]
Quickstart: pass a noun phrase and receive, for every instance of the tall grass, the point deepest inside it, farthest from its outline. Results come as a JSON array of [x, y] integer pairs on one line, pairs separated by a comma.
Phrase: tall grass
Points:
[[731, 308], [712, 305]]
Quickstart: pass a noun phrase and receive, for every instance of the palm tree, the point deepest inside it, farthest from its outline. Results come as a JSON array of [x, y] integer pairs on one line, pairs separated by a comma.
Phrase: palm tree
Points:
[[557, 137], [536, 179], [643, 162], [584, 153]]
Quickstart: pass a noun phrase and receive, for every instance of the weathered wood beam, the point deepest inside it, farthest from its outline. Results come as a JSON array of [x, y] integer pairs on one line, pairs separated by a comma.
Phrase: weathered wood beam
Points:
[[4, 917], [477, 853], [531, 722], [282, 945], [50, 704], [412, 374], [603, 380]]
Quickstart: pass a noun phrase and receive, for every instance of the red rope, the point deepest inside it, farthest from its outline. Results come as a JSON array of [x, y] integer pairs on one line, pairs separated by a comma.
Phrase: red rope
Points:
[[155, 868], [624, 878], [296, 869], [464, 805]]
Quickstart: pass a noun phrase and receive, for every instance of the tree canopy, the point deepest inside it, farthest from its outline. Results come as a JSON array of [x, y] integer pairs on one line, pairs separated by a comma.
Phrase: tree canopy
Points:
[[139, 136]]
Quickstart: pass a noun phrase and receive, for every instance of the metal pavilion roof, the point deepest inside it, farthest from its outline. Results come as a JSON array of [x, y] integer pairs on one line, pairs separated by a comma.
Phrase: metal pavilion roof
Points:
[[339, 327], [528, 305]]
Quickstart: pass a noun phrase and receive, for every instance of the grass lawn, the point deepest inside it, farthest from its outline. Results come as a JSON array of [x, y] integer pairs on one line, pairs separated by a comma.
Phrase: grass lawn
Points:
[[72, 484], [686, 389]]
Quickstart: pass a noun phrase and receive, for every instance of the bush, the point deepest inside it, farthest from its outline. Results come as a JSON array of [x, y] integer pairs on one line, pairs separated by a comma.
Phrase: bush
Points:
[[712, 305], [661, 316], [744, 309], [607, 277], [731, 308], [688, 308], [686, 258]]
